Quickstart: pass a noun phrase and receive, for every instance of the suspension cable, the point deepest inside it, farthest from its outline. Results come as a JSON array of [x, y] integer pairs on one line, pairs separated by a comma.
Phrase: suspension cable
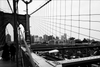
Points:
[[79, 21], [10, 6], [56, 16], [77, 27], [89, 19], [71, 17], [41, 7], [77, 33], [60, 20], [65, 19]]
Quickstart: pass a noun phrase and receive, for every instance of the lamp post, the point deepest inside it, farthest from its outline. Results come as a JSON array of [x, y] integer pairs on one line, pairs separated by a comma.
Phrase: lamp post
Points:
[[27, 30]]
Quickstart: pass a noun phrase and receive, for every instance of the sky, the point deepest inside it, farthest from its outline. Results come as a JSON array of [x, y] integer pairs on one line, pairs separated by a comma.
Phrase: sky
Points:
[[42, 22]]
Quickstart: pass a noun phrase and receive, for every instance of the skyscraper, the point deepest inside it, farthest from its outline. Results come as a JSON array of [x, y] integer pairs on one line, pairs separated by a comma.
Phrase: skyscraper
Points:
[[8, 38]]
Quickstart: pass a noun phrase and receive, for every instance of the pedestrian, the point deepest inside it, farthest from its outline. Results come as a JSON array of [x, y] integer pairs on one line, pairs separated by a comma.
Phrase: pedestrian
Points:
[[5, 54]]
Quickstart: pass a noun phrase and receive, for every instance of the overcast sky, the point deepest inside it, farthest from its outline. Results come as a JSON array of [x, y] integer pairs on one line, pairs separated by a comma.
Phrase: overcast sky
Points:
[[39, 26]]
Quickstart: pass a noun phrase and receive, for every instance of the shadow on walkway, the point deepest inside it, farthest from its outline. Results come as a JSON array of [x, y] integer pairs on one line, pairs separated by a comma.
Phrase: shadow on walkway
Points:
[[6, 63]]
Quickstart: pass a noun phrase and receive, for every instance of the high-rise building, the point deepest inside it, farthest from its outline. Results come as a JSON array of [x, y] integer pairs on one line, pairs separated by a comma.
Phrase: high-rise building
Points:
[[32, 39], [64, 37], [45, 38], [36, 38], [40, 39], [8, 38]]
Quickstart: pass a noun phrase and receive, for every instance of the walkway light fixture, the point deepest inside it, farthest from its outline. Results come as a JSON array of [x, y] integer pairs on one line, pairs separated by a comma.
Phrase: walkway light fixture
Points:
[[27, 31], [27, 1]]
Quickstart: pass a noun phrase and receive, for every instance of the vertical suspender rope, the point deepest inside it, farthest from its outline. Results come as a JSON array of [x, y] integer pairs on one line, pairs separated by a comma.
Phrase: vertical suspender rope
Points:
[[60, 21], [79, 22], [89, 19], [52, 18], [65, 20], [53, 32], [71, 18], [56, 18], [47, 12]]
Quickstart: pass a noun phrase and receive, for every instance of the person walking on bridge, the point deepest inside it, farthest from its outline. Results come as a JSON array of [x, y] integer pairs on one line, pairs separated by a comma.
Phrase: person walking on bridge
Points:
[[5, 54]]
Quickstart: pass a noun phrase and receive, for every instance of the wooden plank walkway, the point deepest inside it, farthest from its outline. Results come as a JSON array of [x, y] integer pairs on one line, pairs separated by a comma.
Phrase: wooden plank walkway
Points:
[[6, 63]]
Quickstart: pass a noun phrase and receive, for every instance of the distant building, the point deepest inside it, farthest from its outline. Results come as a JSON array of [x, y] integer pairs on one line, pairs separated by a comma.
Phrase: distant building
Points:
[[40, 39], [50, 37], [62, 38], [32, 39], [36, 38], [45, 38], [8, 38]]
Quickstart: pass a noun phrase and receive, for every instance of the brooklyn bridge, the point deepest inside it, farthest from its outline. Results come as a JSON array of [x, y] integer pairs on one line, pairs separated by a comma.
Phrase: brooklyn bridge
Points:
[[50, 33]]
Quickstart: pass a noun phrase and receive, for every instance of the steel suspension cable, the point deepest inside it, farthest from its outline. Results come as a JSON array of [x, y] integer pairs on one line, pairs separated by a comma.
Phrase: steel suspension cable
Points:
[[71, 17], [77, 33], [89, 19], [65, 20], [79, 21], [52, 28], [60, 20], [40, 7], [77, 15], [50, 18], [78, 27], [10, 6], [56, 16], [53, 15], [76, 20]]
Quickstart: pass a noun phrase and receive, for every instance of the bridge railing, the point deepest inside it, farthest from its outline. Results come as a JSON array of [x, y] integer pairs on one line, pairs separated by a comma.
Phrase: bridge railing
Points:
[[26, 57], [26, 60]]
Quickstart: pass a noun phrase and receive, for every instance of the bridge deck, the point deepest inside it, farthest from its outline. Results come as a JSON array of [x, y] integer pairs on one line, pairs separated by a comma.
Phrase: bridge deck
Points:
[[6, 63]]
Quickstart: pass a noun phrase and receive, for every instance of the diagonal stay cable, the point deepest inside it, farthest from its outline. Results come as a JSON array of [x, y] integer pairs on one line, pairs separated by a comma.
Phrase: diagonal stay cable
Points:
[[80, 33], [77, 33], [75, 26], [10, 6], [54, 29], [74, 15], [75, 20]]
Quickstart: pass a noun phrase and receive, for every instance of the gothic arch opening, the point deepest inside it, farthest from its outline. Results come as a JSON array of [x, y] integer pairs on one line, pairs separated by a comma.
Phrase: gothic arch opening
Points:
[[9, 33]]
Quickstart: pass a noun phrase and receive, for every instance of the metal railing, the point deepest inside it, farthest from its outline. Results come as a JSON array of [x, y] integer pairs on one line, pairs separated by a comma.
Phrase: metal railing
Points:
[[27, 59]]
